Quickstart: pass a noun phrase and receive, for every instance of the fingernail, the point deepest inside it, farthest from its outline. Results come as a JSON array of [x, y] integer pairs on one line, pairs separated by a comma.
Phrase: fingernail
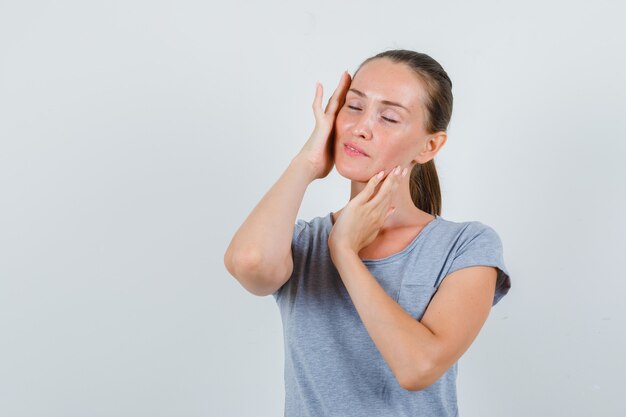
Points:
[[397, 171], [380, 174], [404, 171]]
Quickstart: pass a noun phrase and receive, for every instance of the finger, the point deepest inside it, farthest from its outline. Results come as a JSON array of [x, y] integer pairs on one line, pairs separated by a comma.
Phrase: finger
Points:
[[390, 212], [335, 99], [343, 90], [387, 188], [317, 101], [369, 189]]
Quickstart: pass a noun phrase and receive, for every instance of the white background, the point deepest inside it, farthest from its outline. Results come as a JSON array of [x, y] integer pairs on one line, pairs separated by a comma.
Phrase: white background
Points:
[[136, 136]]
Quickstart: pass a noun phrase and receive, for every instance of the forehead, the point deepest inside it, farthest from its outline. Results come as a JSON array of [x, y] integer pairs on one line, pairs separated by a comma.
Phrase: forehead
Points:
[[383, 79]]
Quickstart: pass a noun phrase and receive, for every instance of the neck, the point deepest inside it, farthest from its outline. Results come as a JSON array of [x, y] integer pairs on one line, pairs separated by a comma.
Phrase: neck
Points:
[[406, 213]]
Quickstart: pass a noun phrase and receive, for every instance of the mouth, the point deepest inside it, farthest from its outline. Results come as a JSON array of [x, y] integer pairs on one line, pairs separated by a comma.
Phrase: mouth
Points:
[[353, 150]]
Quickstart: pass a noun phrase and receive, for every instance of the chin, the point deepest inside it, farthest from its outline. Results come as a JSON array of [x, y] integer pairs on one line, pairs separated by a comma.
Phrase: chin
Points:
[[353, 173]]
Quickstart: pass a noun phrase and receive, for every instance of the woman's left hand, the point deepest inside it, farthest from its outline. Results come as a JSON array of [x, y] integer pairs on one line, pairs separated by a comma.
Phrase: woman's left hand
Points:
[[364, 215]]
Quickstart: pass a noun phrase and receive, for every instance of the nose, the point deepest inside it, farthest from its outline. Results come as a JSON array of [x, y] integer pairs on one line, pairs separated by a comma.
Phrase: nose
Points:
[[362, 127]]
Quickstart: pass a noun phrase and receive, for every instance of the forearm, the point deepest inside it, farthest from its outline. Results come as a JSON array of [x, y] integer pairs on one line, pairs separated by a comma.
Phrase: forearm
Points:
[[264, 238], [405, 344]]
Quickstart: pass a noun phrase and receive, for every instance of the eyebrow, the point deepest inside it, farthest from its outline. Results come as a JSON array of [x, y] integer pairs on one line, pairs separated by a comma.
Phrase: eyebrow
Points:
[[387, 102]]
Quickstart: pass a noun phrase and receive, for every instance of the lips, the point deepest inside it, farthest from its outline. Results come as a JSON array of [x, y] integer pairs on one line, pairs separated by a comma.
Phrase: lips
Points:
[[353, 146]]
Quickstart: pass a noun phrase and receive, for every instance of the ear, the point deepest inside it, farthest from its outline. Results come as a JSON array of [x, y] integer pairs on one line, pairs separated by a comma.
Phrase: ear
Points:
[[431, 145]]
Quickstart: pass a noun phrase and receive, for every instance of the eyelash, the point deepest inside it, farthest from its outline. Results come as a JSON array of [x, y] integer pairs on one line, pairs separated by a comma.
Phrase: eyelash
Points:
[[385, 118]]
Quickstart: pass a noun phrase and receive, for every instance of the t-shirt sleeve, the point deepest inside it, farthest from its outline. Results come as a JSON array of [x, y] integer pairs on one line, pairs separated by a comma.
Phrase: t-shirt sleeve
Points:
[[482, 246], [296, 248]]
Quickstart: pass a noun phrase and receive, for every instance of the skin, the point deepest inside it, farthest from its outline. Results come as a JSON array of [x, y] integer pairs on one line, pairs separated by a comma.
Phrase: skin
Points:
[[391, 136], [417, 352]]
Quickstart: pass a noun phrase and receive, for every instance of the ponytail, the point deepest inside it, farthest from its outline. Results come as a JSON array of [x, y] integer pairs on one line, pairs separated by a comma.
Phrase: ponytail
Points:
[[424, 187]]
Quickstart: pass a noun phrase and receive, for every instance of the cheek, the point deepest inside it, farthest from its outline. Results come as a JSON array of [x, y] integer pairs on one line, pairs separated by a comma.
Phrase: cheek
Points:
[[343, 120]]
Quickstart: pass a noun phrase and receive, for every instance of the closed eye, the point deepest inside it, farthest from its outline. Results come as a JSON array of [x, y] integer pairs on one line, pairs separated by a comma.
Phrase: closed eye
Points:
[[390, 120], [354, 108]]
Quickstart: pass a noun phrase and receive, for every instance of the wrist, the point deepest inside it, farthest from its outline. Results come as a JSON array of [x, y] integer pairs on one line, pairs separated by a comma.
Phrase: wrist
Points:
[[304, 167], [343, 257], [341, 250]]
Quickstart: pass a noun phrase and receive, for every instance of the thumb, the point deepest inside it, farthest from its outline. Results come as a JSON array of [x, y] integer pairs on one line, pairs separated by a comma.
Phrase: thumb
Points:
[[367, 192]]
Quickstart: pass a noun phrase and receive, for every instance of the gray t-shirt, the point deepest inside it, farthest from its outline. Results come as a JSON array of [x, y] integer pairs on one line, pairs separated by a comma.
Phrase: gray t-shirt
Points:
[[332, 366]]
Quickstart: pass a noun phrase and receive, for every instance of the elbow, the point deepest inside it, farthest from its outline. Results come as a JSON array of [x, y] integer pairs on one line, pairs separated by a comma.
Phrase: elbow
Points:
[[238, 262], [415, 384], [418, 379], [247, 268]]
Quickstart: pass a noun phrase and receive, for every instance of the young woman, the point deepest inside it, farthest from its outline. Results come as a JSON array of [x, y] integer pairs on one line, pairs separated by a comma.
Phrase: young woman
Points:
[[380, 299]]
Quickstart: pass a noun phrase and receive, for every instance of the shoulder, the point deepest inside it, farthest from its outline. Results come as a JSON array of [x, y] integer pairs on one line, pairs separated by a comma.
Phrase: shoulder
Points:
[[473, 238], [468, 231], [476, 244], [314, 229], [484, 233], [315, 223]]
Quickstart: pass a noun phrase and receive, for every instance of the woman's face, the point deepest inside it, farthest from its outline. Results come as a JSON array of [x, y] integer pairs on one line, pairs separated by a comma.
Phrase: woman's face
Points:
[[383, 116]]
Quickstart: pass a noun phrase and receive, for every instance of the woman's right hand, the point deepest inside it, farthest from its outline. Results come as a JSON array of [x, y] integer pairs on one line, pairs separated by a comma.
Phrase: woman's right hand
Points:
[[318, 150]]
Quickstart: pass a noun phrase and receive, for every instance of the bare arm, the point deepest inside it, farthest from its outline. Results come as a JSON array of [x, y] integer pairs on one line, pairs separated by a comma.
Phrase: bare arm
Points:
[[420, 352], [417, 352], [259, 255]]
